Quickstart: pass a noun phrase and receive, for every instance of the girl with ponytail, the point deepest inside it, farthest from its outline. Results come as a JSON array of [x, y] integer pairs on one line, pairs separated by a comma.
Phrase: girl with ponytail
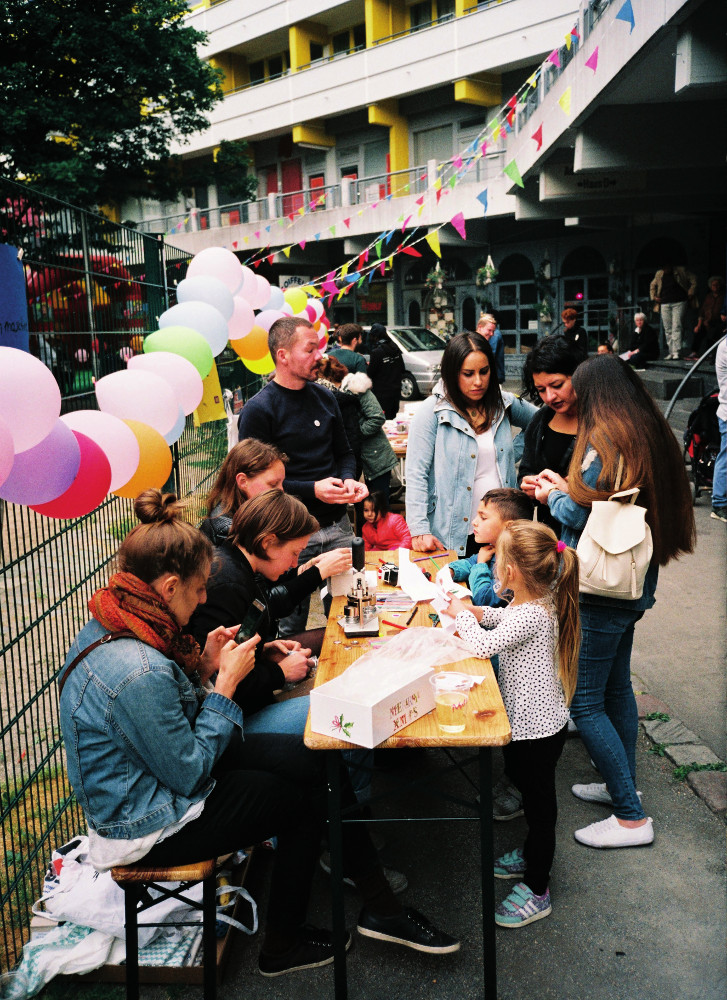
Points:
[[537, 639]]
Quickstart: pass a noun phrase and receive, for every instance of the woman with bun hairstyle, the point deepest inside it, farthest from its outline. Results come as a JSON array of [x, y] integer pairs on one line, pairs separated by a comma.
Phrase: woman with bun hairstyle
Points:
[[621, 435], [158, 764]]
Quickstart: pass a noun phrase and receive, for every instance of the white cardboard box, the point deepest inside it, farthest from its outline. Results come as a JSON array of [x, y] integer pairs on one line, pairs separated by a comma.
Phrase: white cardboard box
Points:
[[368, 707]]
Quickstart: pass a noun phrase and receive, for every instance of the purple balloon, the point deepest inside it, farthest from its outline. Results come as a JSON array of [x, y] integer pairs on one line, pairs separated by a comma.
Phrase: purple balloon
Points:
[[42, 473], [7, 451]]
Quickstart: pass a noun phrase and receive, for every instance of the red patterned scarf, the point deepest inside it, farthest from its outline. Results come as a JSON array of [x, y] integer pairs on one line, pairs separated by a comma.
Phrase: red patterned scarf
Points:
[[129, 603]]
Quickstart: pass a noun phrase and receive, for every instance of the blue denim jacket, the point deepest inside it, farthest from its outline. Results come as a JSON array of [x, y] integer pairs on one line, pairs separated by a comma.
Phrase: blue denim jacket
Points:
[[441, 459], [140, 747], [573, 518]]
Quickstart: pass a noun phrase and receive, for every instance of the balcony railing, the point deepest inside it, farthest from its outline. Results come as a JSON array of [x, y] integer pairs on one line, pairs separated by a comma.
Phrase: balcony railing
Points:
[[349, 192]]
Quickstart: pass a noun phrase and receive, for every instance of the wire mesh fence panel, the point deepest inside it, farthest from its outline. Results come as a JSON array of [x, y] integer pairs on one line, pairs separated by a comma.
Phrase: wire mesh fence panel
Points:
[[95, 289]]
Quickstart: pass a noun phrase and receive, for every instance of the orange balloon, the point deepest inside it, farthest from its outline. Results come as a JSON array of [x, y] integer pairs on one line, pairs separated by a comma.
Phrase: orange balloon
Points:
[[155, 461], [254, 346]]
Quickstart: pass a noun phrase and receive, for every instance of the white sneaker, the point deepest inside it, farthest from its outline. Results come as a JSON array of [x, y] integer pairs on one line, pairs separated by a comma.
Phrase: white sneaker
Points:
[[610, 833], [595, 792]]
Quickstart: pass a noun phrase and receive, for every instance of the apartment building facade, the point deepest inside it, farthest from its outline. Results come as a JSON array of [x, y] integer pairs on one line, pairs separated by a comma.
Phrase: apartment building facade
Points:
[[357, 114]]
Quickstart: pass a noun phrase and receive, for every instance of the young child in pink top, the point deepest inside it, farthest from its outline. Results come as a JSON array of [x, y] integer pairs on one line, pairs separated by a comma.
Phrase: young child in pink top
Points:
[[383, 530]]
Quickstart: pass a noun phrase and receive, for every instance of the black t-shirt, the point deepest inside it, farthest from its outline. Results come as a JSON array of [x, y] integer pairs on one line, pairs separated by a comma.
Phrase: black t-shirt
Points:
[[555, 445]]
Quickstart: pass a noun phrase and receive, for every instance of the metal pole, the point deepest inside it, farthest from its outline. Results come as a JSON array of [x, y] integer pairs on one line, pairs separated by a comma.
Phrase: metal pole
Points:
[[684, 381]]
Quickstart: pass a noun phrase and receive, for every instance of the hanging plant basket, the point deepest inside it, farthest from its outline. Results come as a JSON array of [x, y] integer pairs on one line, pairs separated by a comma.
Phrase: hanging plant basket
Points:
[[486, 274], [545, 311], [435, 278]]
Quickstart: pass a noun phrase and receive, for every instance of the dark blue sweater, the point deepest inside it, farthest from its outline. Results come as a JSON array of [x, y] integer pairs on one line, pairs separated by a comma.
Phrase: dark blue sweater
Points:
[[307, 425]]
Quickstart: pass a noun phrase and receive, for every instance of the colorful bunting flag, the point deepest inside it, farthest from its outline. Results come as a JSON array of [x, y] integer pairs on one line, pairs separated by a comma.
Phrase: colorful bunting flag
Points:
[[592, 60], [532, 80], [626, 13], [554, 58], [405, 223], [538, 136], [564, 101], [433, 241], [459, 225], [420, 201], [302, 244], [271, 258], [568, 41], [378, 247], [457, 162], [511, 171], [482, 196], [412, 251], [344, 270], [286, 251], [347, 223]]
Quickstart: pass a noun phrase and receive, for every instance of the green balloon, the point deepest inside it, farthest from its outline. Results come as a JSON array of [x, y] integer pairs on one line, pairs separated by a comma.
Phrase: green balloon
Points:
[[186, 342]]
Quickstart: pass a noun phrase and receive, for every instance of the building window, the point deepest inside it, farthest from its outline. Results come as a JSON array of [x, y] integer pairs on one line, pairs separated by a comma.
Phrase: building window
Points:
[[359, 37], [341, 43], [316, 52], [445, 10], [257, 71], [420, 15]]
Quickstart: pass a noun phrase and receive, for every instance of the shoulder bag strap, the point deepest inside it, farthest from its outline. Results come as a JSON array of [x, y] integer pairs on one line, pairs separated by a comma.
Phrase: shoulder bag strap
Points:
[[109, 637], [619, 473]]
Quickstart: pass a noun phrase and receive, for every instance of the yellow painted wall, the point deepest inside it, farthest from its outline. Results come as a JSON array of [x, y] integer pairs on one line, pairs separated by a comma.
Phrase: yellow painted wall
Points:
[[485, 92], [299, 38], [387, 113], [234, 66]]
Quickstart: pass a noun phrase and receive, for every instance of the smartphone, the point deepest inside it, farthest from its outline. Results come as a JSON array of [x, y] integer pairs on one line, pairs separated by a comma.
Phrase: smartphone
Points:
[[251, 621]]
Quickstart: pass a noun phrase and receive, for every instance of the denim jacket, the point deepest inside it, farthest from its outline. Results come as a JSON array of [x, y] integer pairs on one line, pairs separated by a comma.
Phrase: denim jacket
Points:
[[139, 744], [573, 518], [441, 460]]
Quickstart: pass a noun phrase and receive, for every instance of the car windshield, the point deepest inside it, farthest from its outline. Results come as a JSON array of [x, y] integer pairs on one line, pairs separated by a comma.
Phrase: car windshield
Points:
[[417, 338]]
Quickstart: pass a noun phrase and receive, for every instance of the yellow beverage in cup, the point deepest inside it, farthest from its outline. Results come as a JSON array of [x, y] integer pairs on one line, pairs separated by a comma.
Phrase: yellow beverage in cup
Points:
[[451, 694]]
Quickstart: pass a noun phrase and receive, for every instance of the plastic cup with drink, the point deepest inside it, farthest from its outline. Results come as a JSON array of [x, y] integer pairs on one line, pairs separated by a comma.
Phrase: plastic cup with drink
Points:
[[451, 694]]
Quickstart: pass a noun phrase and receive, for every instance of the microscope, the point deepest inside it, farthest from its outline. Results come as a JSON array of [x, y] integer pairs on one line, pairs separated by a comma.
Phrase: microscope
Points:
[[360, 618]]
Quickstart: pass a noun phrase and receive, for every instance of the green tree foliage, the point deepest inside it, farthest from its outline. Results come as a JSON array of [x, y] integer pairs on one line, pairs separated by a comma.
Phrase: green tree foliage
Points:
[[94, 92]]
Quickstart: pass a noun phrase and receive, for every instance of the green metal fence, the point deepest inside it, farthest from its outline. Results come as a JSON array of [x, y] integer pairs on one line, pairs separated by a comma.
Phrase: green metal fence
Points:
[[94, 290]]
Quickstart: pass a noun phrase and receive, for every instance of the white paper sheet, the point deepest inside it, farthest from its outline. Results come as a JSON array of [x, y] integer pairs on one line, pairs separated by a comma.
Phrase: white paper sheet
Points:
[[412, 581]]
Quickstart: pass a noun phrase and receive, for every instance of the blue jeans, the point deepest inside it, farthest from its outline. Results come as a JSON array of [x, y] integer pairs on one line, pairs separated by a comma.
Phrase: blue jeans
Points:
[[287, 716], [335, 536], [719, 474], [604, 705]]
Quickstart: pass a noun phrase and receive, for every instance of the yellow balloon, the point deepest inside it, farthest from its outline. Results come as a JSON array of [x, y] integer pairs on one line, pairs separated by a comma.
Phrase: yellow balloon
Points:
[[261, 367], [296, 298], [155, 461], [252, 347]]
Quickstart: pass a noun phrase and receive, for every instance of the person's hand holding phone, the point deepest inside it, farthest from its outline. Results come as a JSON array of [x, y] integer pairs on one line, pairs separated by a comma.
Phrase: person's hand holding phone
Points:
[[216, 640], [236, 662]]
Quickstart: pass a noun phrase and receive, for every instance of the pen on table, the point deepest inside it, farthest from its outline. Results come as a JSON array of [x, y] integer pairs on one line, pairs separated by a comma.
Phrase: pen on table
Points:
[[443, 552], [410, 619], [393, 624]]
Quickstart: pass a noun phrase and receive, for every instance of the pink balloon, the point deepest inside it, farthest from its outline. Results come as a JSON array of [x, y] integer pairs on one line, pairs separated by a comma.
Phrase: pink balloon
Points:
[[181, 374], [88, 488], [43, 472], [30, 400], [139, 395], [115, 438], [322, 339], [262, 292], [217, 262], [317, 306], [267, 317], [243, 319], [7, 451], [311, 313], [248, 288]]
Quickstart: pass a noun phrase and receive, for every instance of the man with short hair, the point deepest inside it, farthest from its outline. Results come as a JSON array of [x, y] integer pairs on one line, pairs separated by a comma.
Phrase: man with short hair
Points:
[[487, 326], [304, 421], [350, 336]]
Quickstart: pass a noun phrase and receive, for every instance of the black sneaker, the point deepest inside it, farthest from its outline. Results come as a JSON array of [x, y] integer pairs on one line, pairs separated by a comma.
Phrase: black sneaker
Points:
[[719, 513], [314, 949], [410, 928]]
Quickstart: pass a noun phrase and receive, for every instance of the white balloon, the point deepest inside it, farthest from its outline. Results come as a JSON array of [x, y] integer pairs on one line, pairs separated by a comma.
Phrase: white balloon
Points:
[[181, 374], [205, 288], [176, 432], [262, 292], [139, 395], [243, 319], [276, 299], [287, 309], [203, 318], [115, 438], [248, 288], [217, 262]]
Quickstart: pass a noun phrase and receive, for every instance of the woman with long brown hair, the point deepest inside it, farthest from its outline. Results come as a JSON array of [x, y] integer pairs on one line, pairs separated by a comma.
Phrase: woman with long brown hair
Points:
[[460, 446], [619, 426]]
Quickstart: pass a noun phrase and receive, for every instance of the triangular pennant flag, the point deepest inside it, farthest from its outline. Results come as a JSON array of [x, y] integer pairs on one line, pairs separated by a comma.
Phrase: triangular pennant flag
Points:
[[286, 251], [302, 244], [292, 216], [538, 136], [365, 255], [332, 230], [257, 235], [347, 223], [406, 188], [458, 223], [452, 182], [410, 250], [389, 197], [457, 162], [317, 237], [496, 131], [512, 102], [360, 211], [510, 118], [400, 219], [371, 275], [483, 149], [482, 196], [532, 80], [344, 270], [375, 205], [511, 171], [592, 60], [388, 236], [568, 41], [554, 58], [390, 262], [420, 210], [433, 241], [405, 223], [420, 201], [351, 278], [626, 13], [439, 195], [234, 243], [271, 258], [301, 210], [382, 267], [574, 31], [437, 184], [564, 101], [246, 239], [378, 248], [329, 286], [256, 264]]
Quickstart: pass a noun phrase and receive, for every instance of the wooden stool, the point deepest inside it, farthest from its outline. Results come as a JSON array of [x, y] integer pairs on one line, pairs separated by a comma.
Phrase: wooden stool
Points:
[[136, 880]]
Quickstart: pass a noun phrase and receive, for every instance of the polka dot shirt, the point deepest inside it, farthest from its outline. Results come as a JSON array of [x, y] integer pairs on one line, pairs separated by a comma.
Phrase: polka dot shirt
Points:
[[524, 636]]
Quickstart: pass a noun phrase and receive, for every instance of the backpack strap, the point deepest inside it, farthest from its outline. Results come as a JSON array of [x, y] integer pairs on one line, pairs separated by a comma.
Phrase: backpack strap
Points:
[[619, 473], [108, 637]]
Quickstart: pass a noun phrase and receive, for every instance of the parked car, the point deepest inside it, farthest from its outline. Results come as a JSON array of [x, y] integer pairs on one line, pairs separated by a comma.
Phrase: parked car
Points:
[[421, 350]]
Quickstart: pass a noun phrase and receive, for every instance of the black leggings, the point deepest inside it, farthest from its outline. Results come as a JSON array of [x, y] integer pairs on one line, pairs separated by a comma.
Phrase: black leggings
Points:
[[530, 764], [271, 785]]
